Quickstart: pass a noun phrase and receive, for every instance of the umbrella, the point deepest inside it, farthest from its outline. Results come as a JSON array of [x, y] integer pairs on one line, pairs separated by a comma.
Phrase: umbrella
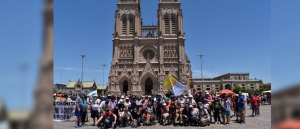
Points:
[[288, 124], [225, 92]]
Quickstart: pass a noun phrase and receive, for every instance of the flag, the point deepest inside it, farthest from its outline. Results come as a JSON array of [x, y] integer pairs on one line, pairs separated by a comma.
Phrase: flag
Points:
[[174, 86], [178, 89], [92, 93], [169, 82]]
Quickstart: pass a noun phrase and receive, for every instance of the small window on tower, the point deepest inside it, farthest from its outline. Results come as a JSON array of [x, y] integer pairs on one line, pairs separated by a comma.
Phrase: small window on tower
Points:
[[131, 28], [124, 25], [166, 25], [173, 25]]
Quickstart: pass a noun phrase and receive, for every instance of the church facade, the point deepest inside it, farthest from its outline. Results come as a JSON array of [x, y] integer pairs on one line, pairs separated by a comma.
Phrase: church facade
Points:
[[144, 54]]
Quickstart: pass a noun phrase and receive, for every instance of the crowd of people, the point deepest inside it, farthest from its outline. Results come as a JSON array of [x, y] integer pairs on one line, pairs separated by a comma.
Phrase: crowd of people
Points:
[[184, 110]]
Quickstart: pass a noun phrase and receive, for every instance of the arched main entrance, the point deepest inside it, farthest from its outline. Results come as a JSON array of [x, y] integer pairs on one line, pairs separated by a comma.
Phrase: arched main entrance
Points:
[[148, 86], [227, 86], [125, 86]]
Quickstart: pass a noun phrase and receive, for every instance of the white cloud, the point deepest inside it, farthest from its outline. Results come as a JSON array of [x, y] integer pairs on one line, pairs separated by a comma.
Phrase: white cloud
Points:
[[78, 69], [206, 73]]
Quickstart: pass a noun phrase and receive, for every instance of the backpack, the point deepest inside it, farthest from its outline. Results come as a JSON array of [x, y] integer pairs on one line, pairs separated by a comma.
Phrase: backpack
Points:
[[134, 124], [216, 104]]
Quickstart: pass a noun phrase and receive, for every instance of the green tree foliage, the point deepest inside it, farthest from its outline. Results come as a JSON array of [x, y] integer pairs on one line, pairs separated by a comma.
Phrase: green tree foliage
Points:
[[261, 82], [237, 89]]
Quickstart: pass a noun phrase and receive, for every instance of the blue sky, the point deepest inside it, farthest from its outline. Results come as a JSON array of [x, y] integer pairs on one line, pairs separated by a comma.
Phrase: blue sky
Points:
[[20, 38], [235, 36], [285, 43]]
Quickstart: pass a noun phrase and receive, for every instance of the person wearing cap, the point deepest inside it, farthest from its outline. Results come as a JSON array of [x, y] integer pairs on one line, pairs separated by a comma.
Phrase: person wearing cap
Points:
[[216, 105], [190, 100], [165, 112], [194, 114], [208, 97], [120, 104], [127, 103], [143, 97], [241, 107], [207, 106], [95, 103], [204, 116]]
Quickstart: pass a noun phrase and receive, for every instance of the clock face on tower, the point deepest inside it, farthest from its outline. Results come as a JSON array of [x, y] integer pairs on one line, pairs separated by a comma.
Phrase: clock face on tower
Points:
[[169, 10], [127, 11]]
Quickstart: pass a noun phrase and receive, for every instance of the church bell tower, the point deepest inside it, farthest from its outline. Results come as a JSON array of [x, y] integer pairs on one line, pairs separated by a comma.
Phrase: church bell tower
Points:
[[144, 54]]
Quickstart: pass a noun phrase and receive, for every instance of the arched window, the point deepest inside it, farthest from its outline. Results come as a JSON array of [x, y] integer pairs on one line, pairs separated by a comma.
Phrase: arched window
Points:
[[166, 25], [131, 25], [173, 19], [124, 25]]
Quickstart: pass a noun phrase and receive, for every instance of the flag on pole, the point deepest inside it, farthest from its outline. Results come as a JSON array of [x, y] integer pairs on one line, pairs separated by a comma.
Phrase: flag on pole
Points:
[[92, 93], [169, 82], [174, 86]]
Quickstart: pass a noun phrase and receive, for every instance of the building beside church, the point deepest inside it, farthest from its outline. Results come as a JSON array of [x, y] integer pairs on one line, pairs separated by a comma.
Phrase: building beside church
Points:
[[144, 54], [76, 87], [226, 81]]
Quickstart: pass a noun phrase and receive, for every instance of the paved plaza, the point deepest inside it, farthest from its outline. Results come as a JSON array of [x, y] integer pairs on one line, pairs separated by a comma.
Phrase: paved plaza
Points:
[[261, 122]]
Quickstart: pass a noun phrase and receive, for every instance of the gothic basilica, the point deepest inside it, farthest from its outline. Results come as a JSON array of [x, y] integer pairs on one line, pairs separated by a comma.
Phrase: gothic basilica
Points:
[[144, 54]]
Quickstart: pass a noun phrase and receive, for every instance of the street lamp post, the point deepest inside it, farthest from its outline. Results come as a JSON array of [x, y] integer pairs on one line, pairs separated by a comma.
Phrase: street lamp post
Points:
[[103, 72], [201, 73], [82, 67]]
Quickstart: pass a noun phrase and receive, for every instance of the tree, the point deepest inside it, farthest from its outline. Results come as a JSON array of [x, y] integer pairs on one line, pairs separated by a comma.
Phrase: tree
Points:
[[54, 91], [237, 89], [261, 82]]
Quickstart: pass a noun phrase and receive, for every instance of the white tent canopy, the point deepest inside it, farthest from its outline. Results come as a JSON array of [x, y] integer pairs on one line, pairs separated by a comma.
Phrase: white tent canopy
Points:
[[269, 91]]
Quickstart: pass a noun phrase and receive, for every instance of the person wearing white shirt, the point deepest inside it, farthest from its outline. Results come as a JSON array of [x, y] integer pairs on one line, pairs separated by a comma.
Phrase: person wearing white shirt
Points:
[[121, 101], [125, 116], [103, 105], [127, 103], [94, 108], [181, 100], [191, 101]]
